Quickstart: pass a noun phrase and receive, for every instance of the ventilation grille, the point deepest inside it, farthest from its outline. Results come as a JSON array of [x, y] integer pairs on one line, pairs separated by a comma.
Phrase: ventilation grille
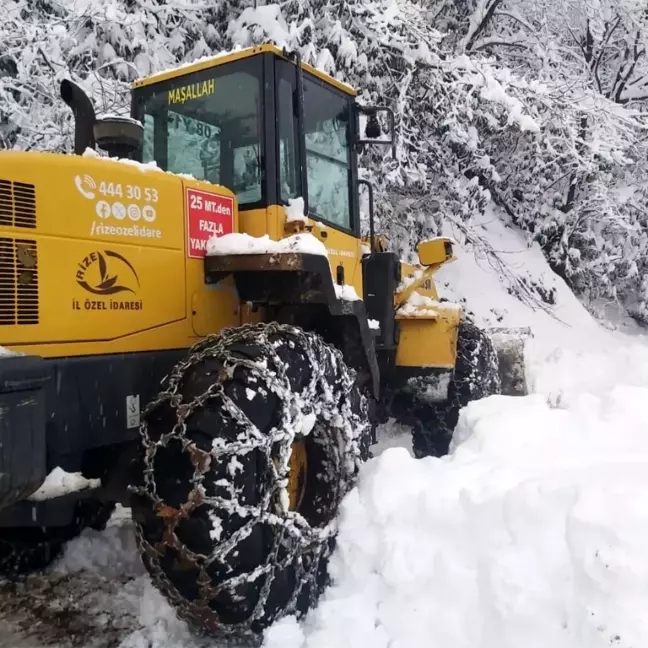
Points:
[[17, 204], [18, 282]]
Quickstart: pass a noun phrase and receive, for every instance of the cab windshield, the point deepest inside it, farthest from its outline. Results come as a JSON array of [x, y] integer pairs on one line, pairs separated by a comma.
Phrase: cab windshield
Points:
[[208, 124]]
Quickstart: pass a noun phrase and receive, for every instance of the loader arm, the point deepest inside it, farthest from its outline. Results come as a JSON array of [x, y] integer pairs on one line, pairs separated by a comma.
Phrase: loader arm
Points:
[[433, 253]]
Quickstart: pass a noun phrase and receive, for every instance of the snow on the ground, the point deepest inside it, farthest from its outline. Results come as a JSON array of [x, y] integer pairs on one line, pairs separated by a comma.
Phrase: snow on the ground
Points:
[[530, 534], [113, 555], [570, 350], [392, 435], [479, 281]]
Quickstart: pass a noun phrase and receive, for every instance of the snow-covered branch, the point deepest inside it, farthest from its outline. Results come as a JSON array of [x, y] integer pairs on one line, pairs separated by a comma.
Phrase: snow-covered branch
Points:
[[536, 105]]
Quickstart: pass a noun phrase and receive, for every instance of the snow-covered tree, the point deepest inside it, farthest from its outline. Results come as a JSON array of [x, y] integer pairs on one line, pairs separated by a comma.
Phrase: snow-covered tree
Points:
[[537, 105], [591, 57]]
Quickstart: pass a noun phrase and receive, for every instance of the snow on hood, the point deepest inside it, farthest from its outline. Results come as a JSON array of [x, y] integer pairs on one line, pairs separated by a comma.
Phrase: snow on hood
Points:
[[240, 243]]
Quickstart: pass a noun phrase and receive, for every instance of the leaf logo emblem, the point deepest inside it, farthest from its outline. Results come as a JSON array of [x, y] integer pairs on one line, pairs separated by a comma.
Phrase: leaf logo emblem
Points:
[[114, 274]]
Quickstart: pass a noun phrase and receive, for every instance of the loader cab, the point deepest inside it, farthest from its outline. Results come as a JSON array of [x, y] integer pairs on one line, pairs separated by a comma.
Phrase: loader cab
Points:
[[263, 125]]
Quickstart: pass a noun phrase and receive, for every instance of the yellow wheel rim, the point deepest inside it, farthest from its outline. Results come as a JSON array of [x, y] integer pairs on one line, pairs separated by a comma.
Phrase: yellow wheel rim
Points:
[[297, 474]]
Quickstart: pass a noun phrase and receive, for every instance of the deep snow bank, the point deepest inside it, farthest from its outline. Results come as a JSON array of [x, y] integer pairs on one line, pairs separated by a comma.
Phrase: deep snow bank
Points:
[[531, 535]]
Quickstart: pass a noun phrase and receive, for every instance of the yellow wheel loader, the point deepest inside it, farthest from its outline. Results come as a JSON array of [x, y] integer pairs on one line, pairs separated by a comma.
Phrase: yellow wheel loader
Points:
[[195, 326]]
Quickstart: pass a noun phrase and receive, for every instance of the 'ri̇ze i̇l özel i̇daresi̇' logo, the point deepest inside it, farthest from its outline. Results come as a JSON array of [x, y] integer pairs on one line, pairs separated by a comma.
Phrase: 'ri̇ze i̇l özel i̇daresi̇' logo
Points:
[[107, 273]]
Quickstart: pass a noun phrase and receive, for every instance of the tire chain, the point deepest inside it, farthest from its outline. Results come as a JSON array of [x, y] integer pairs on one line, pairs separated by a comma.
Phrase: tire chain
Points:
[[303, 540]]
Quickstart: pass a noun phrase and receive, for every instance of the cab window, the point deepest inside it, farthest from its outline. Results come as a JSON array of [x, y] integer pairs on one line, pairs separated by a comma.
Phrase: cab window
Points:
[[209, 125], [328, 156], [328, 152]]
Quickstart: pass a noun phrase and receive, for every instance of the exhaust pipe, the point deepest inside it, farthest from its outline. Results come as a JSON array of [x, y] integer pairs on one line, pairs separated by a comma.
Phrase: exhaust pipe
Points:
[[84, 115]]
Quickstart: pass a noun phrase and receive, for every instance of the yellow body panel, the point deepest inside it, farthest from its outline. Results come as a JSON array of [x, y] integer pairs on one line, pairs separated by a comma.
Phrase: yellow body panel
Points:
[[259, 222], [221, 59], [429, 341], [343, 248], [428, 338], [113, 272]]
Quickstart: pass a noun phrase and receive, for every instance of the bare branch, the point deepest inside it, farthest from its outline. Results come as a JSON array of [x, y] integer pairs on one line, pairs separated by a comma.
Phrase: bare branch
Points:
[[488, 8]]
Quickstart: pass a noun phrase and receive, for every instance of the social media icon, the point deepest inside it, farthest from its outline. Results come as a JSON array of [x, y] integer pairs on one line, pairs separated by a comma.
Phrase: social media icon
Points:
[[134, 212], [148, 214], [103, 209], [119, 211]]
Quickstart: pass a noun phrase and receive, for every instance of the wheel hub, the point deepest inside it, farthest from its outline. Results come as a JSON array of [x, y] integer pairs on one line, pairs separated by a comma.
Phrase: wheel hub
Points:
[[297, 474]]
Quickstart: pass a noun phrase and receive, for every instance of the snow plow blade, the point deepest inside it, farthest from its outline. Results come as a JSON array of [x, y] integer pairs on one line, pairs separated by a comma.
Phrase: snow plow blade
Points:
[[509, 344]]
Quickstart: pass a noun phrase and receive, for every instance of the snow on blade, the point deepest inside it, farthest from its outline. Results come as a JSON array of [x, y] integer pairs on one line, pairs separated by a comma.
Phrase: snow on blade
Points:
[[422, 306], [59, 483], [409, 279], [238, 243], [417, 304]]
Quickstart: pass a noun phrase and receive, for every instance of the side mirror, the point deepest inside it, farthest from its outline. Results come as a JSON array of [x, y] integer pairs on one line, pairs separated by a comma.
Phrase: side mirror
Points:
[[436, 251], [369, 127]]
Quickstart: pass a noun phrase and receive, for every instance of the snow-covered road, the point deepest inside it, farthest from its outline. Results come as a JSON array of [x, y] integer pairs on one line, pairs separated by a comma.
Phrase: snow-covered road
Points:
[[531, 534], [97, 596]]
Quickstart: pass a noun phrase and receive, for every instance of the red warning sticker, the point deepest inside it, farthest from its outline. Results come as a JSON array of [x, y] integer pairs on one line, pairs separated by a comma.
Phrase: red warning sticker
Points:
[[208, 214]]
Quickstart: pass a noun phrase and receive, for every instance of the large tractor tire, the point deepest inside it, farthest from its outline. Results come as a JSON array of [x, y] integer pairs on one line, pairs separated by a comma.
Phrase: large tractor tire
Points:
[[245, 457], [476, 376], [27, 549]]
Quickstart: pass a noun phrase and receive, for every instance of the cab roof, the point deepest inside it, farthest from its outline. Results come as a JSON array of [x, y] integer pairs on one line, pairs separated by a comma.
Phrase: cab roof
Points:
[[220, 59]]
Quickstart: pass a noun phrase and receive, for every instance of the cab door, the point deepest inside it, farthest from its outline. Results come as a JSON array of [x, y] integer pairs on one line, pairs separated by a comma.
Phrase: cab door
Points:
[[326, 174]]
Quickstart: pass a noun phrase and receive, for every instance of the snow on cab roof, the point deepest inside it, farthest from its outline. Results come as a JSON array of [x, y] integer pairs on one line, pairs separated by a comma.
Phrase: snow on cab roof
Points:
[[206, 62]]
